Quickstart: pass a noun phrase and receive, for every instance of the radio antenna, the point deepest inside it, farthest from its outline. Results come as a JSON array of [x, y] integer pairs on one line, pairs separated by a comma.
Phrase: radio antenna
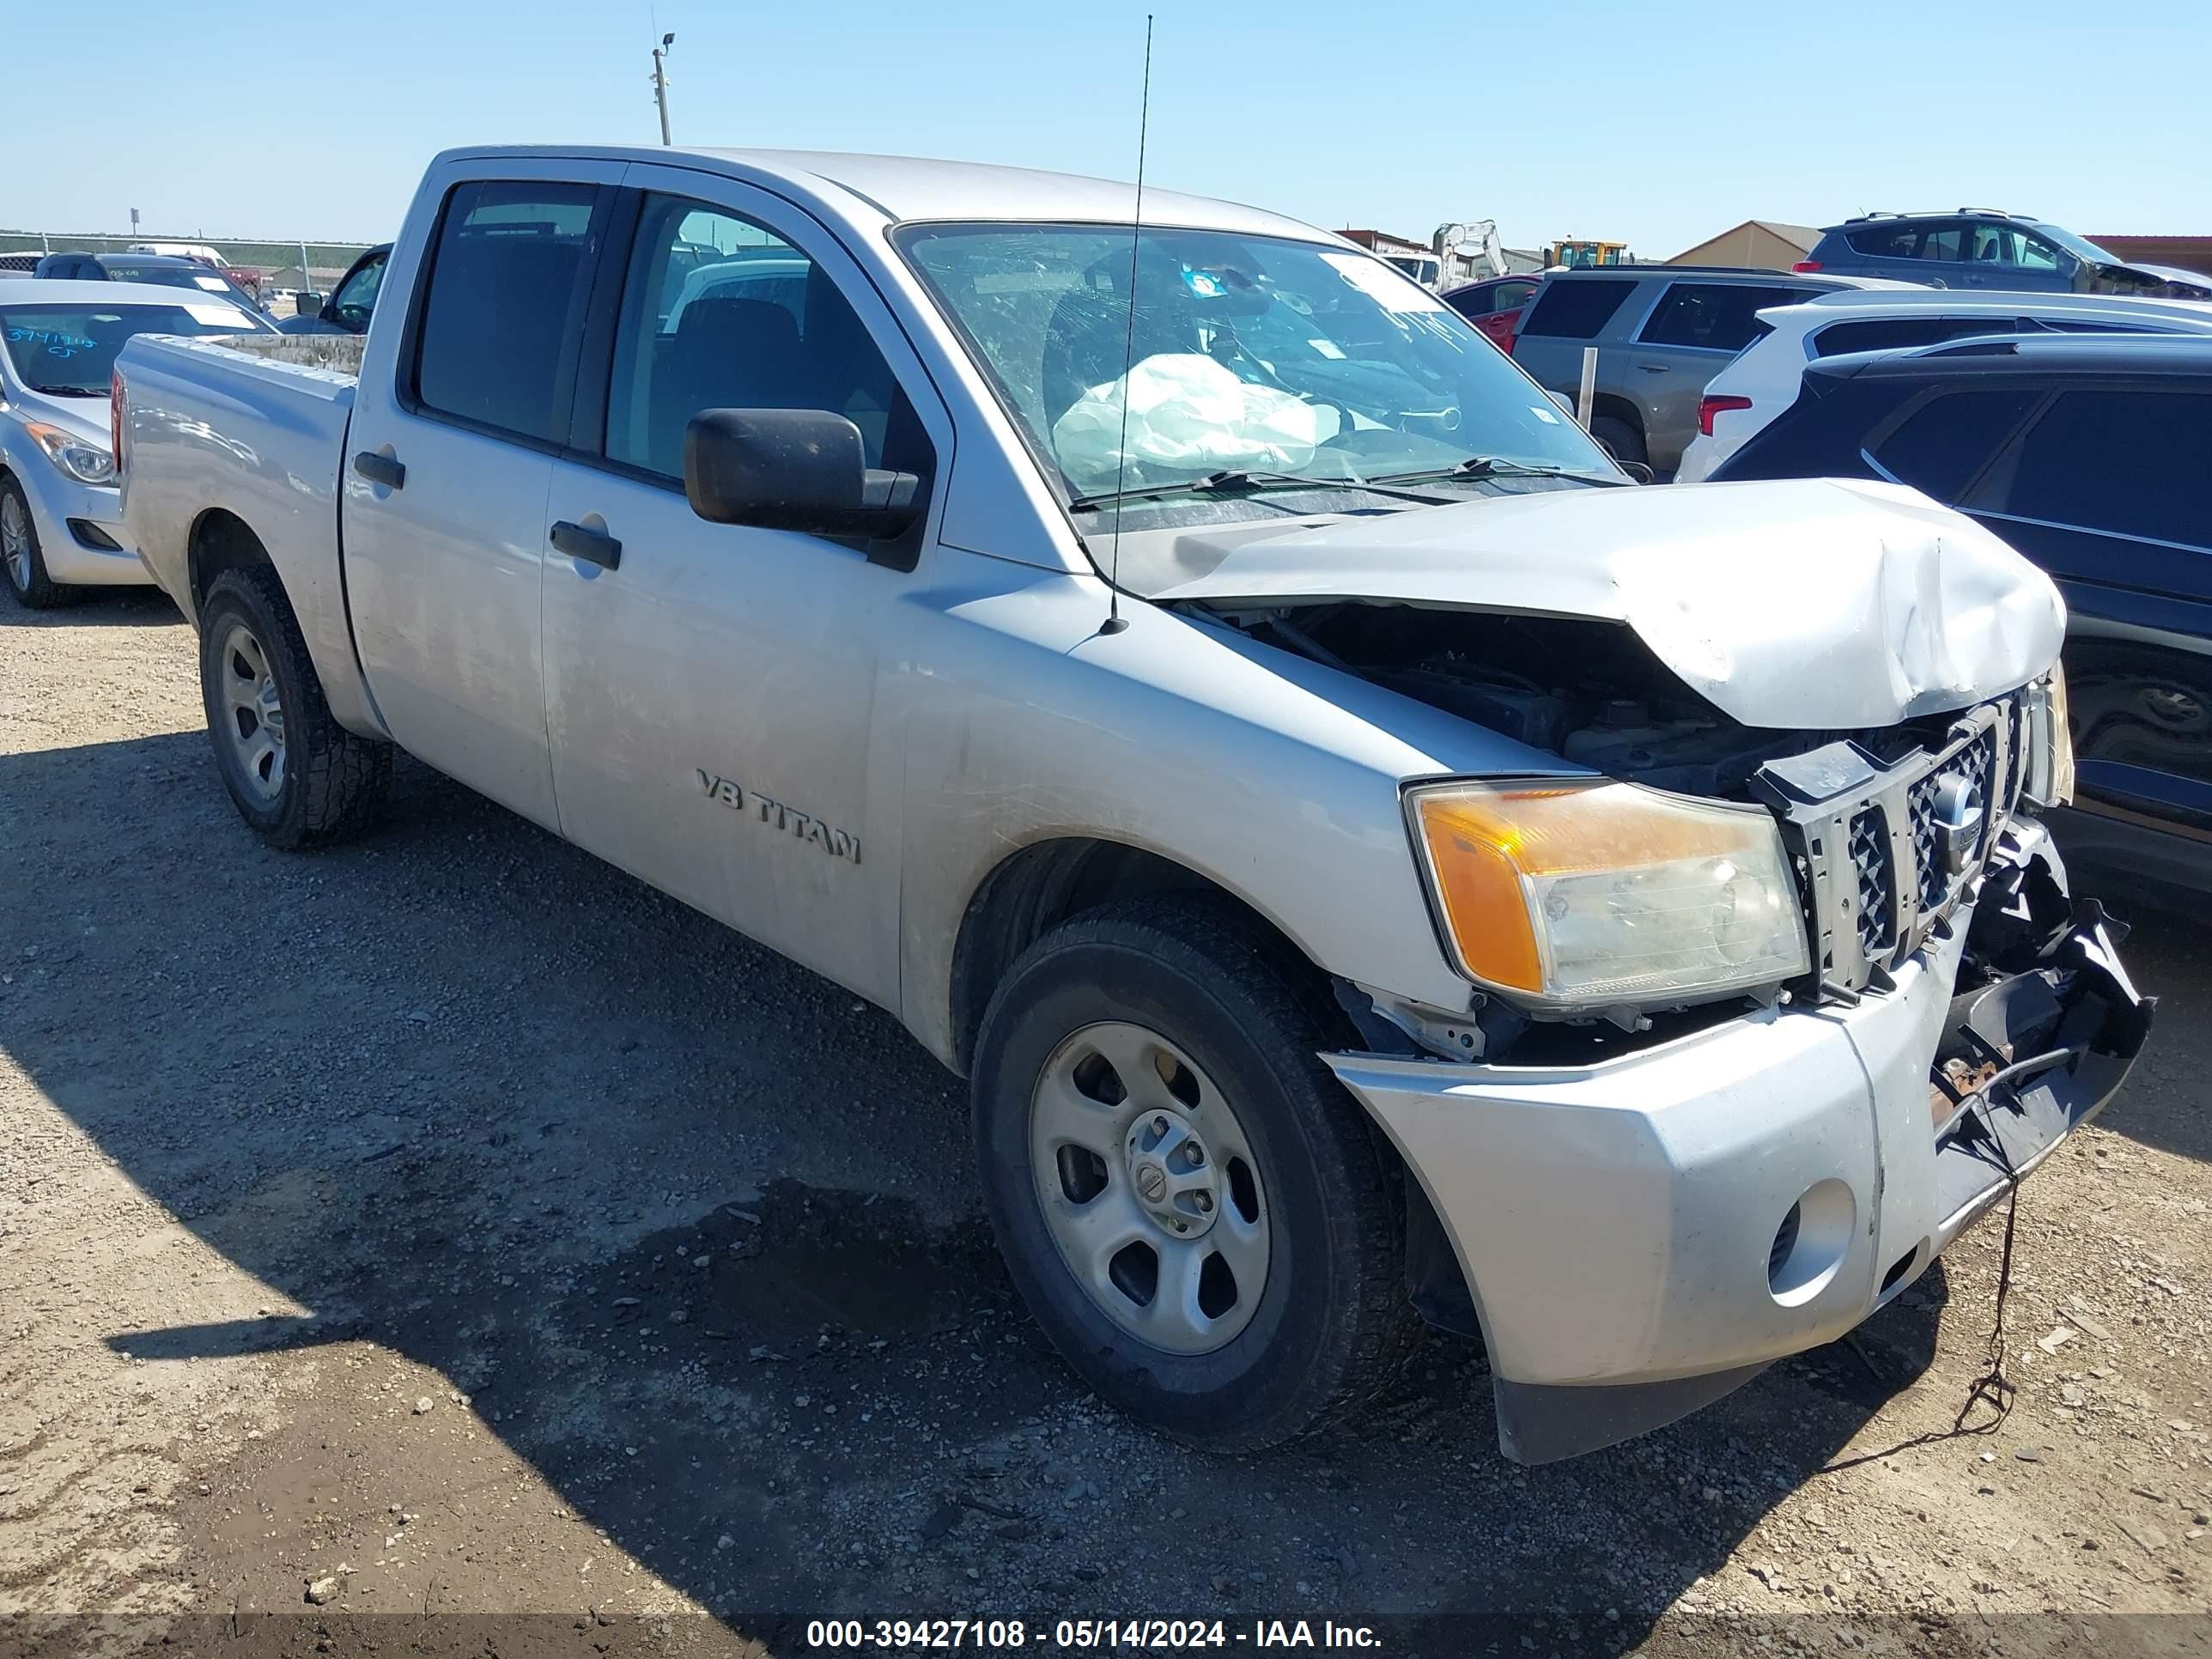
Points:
[[1113, 624]]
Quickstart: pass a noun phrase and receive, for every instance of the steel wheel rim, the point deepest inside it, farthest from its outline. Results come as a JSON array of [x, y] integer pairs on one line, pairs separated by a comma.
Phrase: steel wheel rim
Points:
[[15, 542], [252, 715], [1149, 1187]]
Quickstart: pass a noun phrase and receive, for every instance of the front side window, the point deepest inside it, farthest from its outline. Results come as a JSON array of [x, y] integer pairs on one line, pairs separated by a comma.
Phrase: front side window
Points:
[[2036, 254], [1233, 353], [1712, 316], [1490, 299], [356, 296], [70, 350], [720, 312], [505, 298], [1940, 446], [2128, 462]]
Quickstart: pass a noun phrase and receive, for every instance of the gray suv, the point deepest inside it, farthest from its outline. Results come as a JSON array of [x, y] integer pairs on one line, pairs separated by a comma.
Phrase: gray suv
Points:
[[1661, 331]]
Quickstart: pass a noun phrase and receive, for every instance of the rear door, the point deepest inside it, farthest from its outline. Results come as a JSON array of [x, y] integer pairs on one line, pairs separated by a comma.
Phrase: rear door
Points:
[[1691, 332], [2109, 491], [447, 463], [1567, 314]]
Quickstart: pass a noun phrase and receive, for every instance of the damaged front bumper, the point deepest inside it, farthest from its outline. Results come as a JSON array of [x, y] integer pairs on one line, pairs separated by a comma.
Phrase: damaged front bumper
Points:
[[1642, 1235]]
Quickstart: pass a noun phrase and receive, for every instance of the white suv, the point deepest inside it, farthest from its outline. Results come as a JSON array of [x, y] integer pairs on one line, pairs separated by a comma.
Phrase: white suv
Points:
[[1763, 378]]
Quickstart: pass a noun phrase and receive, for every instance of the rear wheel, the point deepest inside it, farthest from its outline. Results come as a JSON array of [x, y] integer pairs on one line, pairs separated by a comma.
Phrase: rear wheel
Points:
[[1195, 1211], [1621, 441], [294, 773], [25, 561]]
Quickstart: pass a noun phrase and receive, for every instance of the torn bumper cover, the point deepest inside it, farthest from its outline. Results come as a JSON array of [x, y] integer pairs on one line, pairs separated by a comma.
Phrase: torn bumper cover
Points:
[[1644, 1234]]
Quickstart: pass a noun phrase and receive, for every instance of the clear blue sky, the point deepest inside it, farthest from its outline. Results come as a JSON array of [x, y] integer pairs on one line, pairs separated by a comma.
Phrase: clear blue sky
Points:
[[1658, 124]]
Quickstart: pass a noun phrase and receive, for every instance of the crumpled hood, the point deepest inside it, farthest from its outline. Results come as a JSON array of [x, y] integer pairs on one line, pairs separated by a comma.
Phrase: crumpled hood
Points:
[[1805, 603]]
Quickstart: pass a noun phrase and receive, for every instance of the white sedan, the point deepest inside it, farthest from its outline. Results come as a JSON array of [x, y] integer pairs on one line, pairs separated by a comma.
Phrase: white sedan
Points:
[[1763, 378], [61, 515]]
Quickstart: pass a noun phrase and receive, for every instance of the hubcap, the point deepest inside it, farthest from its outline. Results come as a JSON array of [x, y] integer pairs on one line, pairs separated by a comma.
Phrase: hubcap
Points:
[[252, 717], [15, 542], [1149, 1187]]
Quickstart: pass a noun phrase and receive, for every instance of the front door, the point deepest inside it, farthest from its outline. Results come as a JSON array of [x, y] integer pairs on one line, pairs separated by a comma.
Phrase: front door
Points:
[[710, 688], [447, 464]]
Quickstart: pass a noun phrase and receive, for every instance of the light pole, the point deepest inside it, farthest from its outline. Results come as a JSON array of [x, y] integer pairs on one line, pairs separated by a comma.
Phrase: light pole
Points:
[[660, 82]]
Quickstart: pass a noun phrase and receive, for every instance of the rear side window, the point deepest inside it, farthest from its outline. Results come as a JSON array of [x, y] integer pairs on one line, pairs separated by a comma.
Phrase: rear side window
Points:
[[1940, 446], [1890, 333], [505, 299], [1909, 241], [2132, 462], [1713, 316], [1577, 310]]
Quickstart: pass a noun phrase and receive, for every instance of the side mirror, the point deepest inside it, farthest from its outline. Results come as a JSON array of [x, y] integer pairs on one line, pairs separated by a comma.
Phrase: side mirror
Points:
[[792, 468], [1568, 404]]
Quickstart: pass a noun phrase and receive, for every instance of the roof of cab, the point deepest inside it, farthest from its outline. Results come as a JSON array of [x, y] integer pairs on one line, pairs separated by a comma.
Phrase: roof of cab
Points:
[[900, 188]]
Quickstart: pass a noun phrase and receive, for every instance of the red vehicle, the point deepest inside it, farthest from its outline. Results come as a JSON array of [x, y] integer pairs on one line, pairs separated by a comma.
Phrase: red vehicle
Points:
[[1494, 305]]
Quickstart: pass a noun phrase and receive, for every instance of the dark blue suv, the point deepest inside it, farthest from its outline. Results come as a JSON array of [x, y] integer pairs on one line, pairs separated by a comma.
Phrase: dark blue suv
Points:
[[2087, 453], [1981, 247]]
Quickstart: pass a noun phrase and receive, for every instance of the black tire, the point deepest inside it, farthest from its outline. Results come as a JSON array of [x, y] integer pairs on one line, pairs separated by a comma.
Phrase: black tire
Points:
[[1621, 441], [332, 781], [33, 589], [1333, 1324]]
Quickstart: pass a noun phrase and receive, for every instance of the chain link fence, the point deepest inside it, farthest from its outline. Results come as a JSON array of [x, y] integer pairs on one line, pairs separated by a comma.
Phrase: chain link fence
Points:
[[285, 267]]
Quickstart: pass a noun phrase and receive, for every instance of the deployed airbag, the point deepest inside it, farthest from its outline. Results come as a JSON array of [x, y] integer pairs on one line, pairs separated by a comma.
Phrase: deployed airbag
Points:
[[1188, 416]]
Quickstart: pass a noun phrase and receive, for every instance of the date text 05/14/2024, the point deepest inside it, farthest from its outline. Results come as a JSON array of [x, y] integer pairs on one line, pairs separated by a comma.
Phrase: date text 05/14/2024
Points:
[[1007, 1635]]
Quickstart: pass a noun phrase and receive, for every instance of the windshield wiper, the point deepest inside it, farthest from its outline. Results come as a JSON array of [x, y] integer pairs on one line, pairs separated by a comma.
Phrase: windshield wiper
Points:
[[70, 391], [1239, 482], [1493, 466]]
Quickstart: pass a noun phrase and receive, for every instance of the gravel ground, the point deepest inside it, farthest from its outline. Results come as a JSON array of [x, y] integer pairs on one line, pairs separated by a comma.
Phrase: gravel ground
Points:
[[448, 1228]]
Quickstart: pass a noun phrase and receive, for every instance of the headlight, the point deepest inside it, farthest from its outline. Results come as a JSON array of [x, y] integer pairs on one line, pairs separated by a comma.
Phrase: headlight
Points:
[[2049, 757], [82, 460], [1581, 895]]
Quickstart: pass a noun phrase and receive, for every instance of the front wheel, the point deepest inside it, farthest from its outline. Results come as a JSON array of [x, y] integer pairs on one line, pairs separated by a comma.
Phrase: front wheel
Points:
[[24, 559], [1195, 1211], [294, 773]]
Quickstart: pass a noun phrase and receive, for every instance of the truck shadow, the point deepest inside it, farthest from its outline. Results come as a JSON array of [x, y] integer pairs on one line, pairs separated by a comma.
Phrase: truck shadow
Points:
[[118, 607], [696, 1234]]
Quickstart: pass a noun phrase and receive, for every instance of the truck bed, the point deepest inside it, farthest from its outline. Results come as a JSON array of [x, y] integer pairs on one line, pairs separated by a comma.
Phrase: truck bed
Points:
[[247, 431]]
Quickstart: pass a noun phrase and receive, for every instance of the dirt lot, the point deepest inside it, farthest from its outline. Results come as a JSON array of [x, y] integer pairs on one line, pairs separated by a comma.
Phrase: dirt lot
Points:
[[451, 1226]]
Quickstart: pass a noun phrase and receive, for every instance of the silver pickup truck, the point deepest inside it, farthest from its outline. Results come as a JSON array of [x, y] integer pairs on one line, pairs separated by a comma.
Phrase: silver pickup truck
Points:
[[1371, 860]]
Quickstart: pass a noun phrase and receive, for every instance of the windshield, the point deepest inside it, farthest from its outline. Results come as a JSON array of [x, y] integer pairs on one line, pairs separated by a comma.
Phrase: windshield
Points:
[[70, 350], [1249, 354], [2079, 246]]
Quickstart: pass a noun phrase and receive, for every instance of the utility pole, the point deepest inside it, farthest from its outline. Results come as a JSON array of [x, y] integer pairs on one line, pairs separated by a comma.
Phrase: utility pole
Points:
[[660, 82]]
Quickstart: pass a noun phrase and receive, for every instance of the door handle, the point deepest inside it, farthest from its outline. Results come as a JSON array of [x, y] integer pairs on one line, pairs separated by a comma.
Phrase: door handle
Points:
[[1654, 369], [593, 546], [380, 469]]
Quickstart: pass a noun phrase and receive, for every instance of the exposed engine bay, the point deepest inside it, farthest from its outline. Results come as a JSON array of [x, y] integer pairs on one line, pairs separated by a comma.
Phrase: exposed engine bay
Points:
[[1589, 691]]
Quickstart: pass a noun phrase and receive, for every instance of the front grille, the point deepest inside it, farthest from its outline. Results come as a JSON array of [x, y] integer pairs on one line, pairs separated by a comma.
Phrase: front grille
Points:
[[1870, 842], [1977, 762], [1877, 887]]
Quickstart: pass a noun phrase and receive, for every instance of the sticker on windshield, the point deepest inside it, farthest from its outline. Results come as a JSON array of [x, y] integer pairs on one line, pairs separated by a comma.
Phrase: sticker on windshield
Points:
[[1545, 415], [1327, 349], [216, 316], [1385, 286], [212, 284]]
